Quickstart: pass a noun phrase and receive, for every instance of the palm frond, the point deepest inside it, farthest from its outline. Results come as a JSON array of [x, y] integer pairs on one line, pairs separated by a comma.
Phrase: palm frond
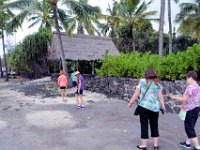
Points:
[[89, 27], [17, 5], [133, 3], [141, 8], [35, 23], [188, 7], [18, 20]]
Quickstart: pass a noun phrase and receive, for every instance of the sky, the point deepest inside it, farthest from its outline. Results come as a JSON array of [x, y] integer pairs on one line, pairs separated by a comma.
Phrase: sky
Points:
[[103, 4]]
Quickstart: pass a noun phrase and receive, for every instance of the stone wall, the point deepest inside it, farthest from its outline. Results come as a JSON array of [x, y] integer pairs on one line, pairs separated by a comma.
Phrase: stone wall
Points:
[[123, 88]]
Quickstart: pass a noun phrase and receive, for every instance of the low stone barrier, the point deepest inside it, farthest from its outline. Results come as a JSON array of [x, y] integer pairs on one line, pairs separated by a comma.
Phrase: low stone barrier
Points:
[[123, 88]]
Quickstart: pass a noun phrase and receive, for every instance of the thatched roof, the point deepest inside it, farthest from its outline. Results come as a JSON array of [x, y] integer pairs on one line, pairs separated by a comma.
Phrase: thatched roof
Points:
[[82, 47]]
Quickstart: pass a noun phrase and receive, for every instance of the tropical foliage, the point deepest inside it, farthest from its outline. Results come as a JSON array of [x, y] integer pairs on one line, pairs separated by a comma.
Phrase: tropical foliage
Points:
[[170, 67], [40, 12], [189, 19], [30, 56], [35, 11], [82, 18], [132, 14], [128, 23], [146, 39]]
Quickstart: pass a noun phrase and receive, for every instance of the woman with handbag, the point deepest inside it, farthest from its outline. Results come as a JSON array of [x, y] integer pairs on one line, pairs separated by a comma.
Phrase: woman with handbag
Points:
[[150, 102], [191, 107]]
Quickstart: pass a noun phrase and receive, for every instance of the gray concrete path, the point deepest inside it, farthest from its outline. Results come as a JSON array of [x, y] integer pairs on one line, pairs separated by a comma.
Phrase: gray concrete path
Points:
[[103, 125]]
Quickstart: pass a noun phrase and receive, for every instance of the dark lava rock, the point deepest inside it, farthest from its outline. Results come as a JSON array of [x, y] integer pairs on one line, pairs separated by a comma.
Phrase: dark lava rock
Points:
[[7, 107]]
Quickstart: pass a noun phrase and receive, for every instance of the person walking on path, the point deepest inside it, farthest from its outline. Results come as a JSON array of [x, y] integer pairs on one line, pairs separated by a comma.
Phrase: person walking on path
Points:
[[62, 83], [74, 81], [191, 104], [80, 89], [150, 103]]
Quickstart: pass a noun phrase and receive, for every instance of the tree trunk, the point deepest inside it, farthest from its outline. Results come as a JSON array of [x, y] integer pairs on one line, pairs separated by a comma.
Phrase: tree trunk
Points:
[[64, 65], [77, 64], [161, 26], [1, 71], [80, 28], [4, 55], [133, 39], [170, 26], [93, 67]]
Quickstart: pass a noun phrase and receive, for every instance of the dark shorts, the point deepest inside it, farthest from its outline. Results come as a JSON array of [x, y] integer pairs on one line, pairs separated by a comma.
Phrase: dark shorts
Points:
[[62, 87], [79, 93], [74, 84]]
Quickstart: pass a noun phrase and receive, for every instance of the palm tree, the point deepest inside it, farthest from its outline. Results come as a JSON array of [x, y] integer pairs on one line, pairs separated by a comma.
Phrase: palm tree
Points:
[[161, 26], [54, 6], [82, 18], [170, 25], [36, 11], [47, 14], [189, 19], [1, 71], [131, 13], [4, 17]]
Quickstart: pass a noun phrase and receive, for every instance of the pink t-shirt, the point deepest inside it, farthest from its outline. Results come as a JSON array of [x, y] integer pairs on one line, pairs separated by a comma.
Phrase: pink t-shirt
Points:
[[193, 91], [62, 80]]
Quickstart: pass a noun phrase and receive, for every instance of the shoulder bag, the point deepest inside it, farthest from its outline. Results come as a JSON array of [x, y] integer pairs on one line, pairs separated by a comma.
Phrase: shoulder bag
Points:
[[136, 113]]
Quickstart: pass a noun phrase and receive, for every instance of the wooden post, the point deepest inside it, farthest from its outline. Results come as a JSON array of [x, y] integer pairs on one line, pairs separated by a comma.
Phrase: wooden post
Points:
[[77, 65], [60, 64], [93, 67]]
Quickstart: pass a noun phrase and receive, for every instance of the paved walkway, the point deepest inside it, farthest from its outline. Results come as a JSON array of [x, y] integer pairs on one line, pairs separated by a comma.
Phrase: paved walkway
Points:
[[33, 123]]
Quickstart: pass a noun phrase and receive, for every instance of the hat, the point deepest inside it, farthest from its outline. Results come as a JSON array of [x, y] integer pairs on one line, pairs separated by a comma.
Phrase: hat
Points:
[[77, 72]]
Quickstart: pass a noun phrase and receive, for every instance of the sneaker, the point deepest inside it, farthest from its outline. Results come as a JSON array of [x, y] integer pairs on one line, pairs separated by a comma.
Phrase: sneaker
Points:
[[78, 107], [185, 145], [156, 147], [195, 149], [82, 106], [143, 148]]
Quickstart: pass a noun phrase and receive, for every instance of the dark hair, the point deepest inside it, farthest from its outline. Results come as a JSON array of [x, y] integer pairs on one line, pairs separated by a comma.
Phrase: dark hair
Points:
[[150, 74], [192, 74]]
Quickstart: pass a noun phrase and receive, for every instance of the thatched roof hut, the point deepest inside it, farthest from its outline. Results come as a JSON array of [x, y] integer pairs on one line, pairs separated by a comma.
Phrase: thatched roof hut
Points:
[[82, 47]]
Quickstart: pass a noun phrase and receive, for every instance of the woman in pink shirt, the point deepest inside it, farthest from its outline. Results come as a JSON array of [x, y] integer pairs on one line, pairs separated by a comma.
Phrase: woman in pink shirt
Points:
[[62, 83], [191, 104]]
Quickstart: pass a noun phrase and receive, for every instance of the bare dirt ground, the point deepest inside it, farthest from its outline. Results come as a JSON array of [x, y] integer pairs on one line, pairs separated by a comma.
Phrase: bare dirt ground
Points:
[[33, 117]]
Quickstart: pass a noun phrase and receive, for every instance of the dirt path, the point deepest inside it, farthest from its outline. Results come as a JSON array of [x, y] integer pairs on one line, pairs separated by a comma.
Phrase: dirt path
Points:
[[36, 123]]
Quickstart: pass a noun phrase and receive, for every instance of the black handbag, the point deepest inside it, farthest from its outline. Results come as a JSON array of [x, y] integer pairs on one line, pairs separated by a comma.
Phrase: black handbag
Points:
[[136, 113]]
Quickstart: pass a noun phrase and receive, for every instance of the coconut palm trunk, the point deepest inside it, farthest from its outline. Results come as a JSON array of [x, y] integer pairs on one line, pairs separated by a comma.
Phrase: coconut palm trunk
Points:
[[161, 27], [133, 40], [1, 71], [170, 27], [4, 55], [54, 6]]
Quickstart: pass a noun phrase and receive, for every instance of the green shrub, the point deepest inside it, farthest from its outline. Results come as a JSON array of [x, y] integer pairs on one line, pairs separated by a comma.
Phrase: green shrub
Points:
[[30, 56], [170, 67]]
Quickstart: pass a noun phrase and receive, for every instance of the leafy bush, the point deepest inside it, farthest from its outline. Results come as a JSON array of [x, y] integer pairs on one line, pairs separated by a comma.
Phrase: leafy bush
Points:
[[170, 67], [30, 57]]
